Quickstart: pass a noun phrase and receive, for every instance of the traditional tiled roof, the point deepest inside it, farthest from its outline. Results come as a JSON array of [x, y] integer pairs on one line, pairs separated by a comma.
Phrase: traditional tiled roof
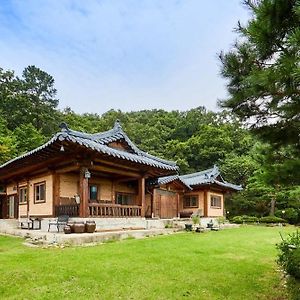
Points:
[[206, 177], [168, 179], [99, 142]]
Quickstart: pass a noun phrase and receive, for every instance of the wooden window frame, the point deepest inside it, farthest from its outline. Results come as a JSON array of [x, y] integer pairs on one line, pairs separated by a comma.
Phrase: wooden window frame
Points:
[[126, 194], [213, 198], [26, 198], [35, 186], [190, 206]]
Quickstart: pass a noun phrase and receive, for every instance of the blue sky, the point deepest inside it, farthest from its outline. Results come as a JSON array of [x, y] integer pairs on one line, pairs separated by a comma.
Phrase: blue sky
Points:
[[123, 54]]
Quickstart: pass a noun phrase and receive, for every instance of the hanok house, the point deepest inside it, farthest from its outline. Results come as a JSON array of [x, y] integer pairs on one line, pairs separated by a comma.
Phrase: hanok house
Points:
[[81, 174], [199, 193], [104, 175]]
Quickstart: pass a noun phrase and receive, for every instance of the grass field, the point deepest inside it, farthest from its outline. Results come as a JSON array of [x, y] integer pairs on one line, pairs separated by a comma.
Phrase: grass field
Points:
[[230, 264]]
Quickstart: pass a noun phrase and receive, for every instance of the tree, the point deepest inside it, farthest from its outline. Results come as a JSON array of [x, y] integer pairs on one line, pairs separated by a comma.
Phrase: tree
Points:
[[13, 105], [263, 71], [7, 142], [29, 99], [27, 137], [38, 88]]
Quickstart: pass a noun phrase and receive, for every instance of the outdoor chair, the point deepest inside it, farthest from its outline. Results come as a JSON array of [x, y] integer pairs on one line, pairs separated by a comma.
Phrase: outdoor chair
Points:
[[60, 221]]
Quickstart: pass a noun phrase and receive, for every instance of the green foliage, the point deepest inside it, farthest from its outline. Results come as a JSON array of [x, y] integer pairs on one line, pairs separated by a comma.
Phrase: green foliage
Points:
[[33, 95], [237, 220], [244, 219], [292, 215], [27, 137], [263, 71], [195, 219], [271, 219], [221, 220], [263, 77], [289, 254]]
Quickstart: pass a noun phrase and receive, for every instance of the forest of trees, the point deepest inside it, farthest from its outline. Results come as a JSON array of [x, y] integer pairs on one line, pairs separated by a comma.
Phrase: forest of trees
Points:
[[262, 72]]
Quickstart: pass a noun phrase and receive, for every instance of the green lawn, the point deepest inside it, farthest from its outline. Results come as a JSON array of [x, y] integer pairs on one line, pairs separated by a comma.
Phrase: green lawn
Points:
[[230, 264]]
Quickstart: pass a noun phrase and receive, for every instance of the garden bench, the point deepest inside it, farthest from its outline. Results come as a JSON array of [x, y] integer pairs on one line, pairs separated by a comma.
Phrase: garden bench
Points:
[[60, 221]]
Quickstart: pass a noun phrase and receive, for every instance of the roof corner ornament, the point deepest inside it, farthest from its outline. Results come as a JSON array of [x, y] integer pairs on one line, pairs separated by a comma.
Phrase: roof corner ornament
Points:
[[64, 127], [117, 124]]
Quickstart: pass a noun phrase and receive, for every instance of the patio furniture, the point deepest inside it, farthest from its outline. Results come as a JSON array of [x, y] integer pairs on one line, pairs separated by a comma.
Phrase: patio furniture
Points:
[[26, 224], [185, 213], [188, 227], [210, 224], [60, 221], [31, 224]]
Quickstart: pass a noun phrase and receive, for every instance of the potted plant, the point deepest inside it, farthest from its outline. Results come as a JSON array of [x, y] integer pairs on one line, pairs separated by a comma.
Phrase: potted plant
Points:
[[196, 221]]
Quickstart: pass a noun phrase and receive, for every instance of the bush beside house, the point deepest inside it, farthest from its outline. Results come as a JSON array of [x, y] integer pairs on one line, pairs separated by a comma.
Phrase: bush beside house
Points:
[[289, 260], [252, 219]]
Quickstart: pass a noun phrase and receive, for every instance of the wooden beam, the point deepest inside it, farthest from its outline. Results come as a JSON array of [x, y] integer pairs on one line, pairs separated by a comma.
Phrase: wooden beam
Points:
[[84, 193], [28, 200], [31, 167], [123, 179], [177, 204], [115, 171], [205, 203], [126, 165], [113, 193], [16, 214], [142, 196], [55, 191], [69, 168]]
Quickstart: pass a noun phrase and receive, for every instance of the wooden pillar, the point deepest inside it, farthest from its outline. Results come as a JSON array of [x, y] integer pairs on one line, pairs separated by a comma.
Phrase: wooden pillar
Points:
[[142, 195], [16, 202], [27, 198], [55, 191], [178, 201], [205, 203], [84, 194], [152, 203], [5, 207], [113, 196]]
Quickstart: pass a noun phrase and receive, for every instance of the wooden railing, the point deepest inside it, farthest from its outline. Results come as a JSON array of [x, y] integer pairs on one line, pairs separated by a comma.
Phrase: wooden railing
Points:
[[114, 210], [71, 210]]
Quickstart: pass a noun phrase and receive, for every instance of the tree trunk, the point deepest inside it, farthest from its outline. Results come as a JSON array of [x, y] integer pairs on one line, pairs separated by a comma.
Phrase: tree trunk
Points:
[[272, 210]]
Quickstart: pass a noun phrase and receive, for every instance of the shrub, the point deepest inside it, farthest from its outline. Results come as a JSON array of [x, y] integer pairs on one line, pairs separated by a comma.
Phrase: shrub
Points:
[[221, 220], [195, 219], [237, 220], [272, 219], [293, 264], [291, 215], [289, 254], [250, 219], [244, 219]]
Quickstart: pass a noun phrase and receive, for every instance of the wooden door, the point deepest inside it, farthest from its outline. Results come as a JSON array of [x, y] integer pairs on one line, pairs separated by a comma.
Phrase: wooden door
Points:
[[167, 205], [12, 204]]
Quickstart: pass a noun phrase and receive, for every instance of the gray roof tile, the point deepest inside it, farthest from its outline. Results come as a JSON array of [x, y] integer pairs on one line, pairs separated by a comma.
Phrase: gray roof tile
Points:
[[208, 176]]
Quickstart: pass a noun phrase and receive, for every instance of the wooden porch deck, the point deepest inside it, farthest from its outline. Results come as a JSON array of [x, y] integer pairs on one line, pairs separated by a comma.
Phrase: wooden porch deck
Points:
[[101, 210]]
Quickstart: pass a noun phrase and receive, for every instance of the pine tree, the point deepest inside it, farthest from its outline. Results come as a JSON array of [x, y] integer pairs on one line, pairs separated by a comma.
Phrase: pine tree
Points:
[[263, 71]]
